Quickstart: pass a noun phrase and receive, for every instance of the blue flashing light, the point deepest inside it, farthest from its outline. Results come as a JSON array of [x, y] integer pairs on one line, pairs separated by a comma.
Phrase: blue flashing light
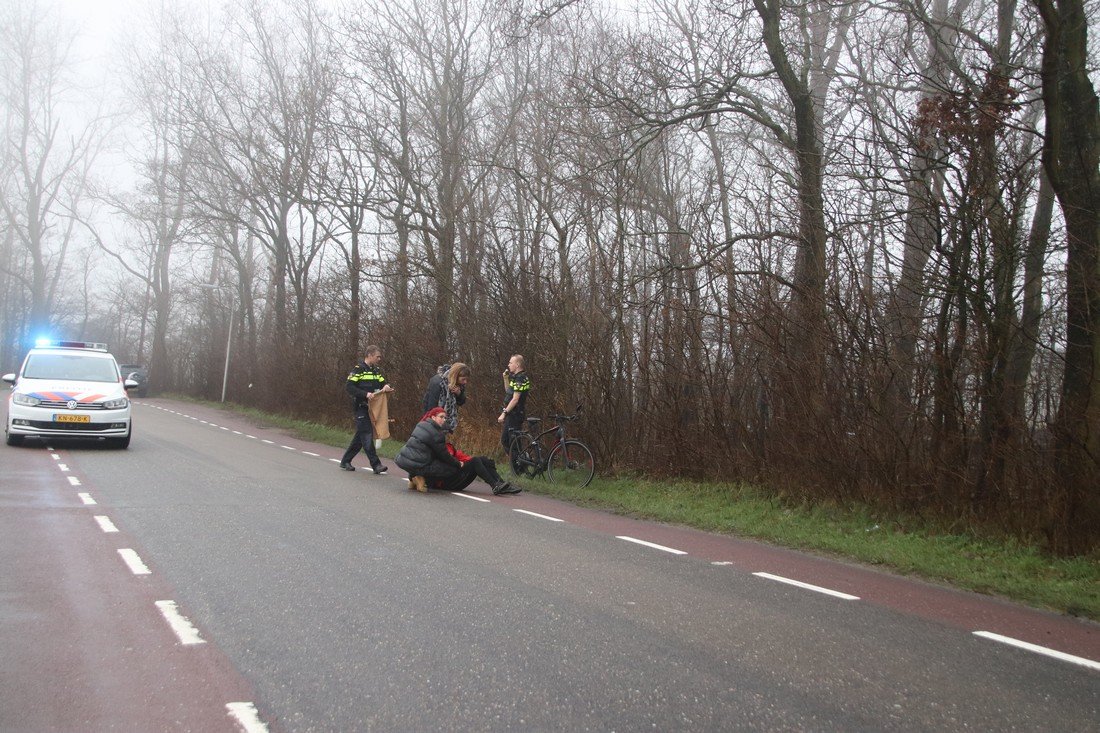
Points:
[[57, 344]]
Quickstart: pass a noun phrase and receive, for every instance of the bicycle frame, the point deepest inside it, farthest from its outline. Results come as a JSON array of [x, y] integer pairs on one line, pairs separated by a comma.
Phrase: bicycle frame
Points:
[[542, 457], [551, 452]]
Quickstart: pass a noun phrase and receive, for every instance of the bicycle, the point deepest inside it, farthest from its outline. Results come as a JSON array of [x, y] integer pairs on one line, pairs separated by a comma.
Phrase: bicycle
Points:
[[565, 461]]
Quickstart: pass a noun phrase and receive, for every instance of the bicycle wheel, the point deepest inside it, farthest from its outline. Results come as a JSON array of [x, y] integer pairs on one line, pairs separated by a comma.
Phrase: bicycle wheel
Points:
[[523, 457], [571, 464]]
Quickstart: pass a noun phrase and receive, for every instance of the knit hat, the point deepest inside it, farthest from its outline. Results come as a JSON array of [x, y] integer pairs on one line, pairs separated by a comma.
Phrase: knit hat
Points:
[[432, 413]]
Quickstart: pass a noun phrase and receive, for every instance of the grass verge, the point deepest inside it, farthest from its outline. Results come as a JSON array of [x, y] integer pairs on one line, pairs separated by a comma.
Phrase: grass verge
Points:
[[907, 545]]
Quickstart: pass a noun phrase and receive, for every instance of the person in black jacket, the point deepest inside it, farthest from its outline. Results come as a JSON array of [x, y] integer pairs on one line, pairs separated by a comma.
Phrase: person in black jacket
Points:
[[447, 389], [425, 455], [365, 381]]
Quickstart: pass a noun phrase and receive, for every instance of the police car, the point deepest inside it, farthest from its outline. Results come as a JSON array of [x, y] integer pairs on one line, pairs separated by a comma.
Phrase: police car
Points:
[[69, 389]]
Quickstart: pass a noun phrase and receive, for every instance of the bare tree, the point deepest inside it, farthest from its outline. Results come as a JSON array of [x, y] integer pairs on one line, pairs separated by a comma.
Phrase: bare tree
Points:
[[47, 162], [158, 211], [426, 65]]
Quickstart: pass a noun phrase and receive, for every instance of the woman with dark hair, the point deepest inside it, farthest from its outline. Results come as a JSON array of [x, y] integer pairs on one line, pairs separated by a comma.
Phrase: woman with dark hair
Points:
[[427, 458], [447, 389]]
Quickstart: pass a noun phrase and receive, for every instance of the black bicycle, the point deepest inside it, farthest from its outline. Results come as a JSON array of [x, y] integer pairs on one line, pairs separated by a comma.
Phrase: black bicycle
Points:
[[565, 461]]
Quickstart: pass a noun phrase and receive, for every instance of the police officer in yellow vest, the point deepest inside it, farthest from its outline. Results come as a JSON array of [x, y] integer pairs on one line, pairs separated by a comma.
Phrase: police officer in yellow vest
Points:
[[517, 385], [365, 381]]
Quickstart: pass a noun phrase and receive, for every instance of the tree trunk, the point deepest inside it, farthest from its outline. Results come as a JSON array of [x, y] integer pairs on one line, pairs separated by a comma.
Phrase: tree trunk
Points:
[[1071, 156]]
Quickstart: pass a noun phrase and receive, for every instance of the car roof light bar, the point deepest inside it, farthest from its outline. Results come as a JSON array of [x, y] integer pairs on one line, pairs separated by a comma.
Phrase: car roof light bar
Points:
[[51, 343]]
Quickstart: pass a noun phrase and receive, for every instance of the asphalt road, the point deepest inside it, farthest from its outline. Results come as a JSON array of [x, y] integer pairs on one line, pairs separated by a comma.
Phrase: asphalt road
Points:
[[259, 577]]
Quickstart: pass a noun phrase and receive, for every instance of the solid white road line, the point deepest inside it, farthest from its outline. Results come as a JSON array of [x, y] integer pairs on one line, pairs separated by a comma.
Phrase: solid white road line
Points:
[[246, 716], [185, 630], [673, 550], [86, 498], [1039, 649], [540, 516], [807, 586], [74, 481], [137, 567], [467, 496], [105, 523]]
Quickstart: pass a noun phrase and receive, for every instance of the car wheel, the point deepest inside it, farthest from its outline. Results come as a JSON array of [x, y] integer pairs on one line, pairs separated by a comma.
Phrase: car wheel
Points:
[[122, 443]]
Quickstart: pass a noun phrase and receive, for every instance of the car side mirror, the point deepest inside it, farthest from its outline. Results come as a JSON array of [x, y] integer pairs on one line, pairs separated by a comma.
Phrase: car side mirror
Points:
[[130, 384], [9, 378]]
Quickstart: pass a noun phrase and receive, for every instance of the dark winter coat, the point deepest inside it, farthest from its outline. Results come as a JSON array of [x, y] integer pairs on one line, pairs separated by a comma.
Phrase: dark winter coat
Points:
[[438, 394], [425, 452]]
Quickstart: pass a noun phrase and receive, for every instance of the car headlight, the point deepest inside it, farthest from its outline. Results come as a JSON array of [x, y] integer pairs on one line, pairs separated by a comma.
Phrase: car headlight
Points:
[[116, 404], [24, 399]]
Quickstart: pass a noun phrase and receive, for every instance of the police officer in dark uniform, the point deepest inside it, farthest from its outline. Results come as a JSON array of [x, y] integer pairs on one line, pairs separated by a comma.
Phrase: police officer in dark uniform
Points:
[[516, 387], [365, 381]]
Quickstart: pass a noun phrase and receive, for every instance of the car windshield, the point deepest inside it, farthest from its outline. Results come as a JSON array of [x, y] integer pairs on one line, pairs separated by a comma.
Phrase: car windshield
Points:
[[70, 366]]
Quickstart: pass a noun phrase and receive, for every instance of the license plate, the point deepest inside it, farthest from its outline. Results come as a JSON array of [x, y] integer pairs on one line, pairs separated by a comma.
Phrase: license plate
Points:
[[72, 418]]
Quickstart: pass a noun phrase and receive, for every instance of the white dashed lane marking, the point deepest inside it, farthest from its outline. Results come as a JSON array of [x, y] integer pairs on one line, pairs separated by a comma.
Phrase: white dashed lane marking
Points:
[[185, 630], [105, 524], [807, 586], [87, 499], [655, 546], [540, 516], [1039, 649], [468, 496], [238, 432], [137, 567], [74, 480], [246, 716]]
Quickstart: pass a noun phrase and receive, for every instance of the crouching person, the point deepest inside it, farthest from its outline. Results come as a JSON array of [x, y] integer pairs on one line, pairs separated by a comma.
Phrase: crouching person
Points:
[[429, 462]]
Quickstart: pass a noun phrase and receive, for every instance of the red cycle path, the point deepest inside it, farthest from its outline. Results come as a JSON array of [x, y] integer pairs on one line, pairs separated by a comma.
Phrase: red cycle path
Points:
[[82, 643]]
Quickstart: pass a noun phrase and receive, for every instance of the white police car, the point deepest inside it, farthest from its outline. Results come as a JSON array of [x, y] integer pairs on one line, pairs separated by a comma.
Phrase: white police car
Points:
[[69, 389]]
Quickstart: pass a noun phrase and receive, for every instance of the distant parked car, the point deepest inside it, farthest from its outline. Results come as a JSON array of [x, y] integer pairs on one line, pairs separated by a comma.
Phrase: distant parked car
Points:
[[139, 374]]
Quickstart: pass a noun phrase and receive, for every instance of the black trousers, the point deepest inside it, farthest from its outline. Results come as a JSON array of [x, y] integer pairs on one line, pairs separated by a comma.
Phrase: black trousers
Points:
[[477, 467], [363, 439], [512, 421]]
